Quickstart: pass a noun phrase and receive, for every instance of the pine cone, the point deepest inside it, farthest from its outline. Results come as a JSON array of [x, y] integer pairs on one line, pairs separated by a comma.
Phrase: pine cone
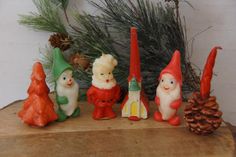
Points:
[[79, 60], [61, 41], [202, 116]]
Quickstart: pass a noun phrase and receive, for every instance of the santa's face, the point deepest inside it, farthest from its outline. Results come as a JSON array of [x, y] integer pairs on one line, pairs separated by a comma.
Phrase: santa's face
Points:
[[104, 74], [66, 79], [167, 83]]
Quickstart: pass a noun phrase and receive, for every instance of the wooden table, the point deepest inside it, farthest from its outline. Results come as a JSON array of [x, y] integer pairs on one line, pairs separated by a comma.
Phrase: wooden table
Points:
[[84, 136]]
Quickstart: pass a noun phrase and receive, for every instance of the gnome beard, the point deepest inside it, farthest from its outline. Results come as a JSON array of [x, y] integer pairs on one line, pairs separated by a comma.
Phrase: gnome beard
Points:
[[67, 87], [166, 98]]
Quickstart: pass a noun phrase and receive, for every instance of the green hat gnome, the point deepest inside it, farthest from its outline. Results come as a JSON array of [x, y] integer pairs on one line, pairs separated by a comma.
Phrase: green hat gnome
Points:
[[67, 90]]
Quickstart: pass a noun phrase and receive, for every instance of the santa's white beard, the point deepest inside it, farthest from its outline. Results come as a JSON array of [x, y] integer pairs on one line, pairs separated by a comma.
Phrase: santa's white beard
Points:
[[103, 84], [165, 101], [72, 95]]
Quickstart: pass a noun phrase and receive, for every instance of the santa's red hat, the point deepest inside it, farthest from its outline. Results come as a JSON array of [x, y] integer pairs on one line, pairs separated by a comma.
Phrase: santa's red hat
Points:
[[174, 67]]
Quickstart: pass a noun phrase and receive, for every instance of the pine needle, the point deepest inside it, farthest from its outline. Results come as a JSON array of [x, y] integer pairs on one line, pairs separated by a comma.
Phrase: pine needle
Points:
[[46, 19]]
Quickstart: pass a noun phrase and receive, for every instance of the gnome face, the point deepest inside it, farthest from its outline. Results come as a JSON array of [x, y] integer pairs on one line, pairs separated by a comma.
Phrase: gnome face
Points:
[[168, 83], [66, 79], [171, 76]]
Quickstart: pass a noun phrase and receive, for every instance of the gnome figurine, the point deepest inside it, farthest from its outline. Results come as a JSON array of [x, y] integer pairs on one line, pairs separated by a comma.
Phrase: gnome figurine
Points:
[[67, 90], [104, 91], [168, 94]]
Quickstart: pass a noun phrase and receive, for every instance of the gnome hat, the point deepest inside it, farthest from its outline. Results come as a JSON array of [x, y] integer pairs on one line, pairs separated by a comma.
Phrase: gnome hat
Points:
[[59, 63], [174, 67]]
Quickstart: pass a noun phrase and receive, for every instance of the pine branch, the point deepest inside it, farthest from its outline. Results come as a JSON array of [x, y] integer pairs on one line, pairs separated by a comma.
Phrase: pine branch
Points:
[[62, 3], [46, 19], [160, 33], [93, 38]]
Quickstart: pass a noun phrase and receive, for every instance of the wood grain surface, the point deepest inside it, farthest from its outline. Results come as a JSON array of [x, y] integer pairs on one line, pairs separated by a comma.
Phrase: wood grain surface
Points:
[[84, 136]]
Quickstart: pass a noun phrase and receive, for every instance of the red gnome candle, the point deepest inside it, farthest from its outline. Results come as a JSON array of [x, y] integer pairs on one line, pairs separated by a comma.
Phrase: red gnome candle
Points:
[[168, 94], [38, 108], [202, 114], [104, 91]]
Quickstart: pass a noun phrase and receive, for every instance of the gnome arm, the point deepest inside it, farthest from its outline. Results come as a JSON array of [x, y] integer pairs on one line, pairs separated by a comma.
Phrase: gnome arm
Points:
[[157, 100], [176, 104], [62, 100]]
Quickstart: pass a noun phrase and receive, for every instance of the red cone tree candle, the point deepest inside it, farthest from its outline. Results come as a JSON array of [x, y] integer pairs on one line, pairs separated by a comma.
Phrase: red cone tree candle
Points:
[[38, 108]]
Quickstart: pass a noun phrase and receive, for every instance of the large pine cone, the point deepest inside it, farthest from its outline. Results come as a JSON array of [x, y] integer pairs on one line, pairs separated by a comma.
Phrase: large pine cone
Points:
[[61, 41], [202, 116]]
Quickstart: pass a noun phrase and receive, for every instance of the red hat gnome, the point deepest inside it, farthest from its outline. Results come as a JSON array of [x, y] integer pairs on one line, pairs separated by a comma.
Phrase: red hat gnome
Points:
[[168, 94]]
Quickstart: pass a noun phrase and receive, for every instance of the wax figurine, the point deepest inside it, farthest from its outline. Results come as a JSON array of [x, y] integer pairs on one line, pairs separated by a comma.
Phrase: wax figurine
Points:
[[38, 108], [135, 104], [202, 113], [104, 91], [168, 94], [66, 88]]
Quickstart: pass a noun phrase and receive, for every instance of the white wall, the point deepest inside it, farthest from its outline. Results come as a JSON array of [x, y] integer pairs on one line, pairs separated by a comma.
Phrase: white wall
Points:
[[221, 15], [19, 47]]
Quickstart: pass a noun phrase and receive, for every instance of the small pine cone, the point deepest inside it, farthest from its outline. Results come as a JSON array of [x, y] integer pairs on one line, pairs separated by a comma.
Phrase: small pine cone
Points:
[[79, 60], [202, 116], [61, 41]]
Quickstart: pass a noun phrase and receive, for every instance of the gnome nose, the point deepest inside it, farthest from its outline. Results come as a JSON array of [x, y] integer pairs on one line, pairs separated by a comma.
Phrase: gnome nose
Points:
[[166, 87], [69, 82]]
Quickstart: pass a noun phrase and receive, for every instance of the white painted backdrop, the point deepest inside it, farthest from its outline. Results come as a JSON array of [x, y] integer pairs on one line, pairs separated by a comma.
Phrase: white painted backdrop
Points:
[[19, 47]]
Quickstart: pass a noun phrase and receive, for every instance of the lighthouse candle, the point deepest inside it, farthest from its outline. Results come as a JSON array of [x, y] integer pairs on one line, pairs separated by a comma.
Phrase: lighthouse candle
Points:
[[168, 94]]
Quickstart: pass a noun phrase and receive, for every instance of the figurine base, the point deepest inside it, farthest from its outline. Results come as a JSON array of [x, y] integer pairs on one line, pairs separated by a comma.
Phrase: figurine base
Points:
[[83, 136]]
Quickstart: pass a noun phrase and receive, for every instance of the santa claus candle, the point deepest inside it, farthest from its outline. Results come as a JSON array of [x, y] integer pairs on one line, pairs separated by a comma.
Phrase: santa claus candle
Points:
[[168, 93], [104, 91]]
